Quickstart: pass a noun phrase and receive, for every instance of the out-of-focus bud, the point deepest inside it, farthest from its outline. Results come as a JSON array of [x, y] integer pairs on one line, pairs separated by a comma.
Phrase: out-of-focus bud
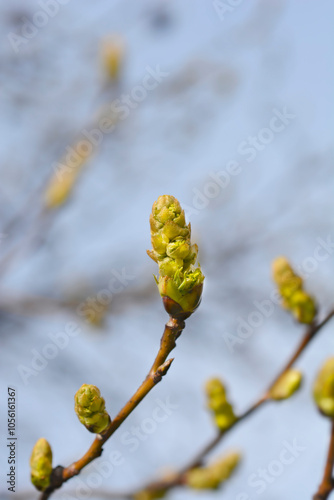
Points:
[[213, 475], [303, 307], [168, 475], [181, 302], [180, 281], [63, 181], [90, 408], [149, 495], [41, 464], [112, 52], [286, 385], [323, 389], [294, 298], [96, 317], [217, 402]]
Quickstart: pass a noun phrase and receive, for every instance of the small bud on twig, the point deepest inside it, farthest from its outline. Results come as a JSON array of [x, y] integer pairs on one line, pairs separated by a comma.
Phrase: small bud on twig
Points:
[[217, 402], [323, 389], [162, 370], [286, 385], [213, 475], [41, 464], [180, 282], [90, 408], [290, 286]]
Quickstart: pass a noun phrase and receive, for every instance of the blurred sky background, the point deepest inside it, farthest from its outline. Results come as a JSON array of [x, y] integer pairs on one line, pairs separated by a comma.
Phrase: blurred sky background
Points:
[[225, 76]]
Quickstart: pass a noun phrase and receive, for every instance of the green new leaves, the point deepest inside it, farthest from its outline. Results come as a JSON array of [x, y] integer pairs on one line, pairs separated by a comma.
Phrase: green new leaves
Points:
[[180, 281], [90, 408], [323, 389], [290, 286], [41, 464], [214, 474], [222, 410]]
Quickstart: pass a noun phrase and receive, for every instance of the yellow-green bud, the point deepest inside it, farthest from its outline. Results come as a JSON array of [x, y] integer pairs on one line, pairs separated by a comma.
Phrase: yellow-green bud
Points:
[[217, 402], [286, 385], [149, 495], [323, 389], [41, 464], [214, 387], [302, 307], [90, 408], [112, 56], [213, 475], [63, 181], [180, 282], [290, 286]]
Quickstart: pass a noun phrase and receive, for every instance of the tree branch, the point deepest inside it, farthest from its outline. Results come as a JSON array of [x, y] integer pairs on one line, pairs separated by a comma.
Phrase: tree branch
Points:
[[327, 483], [173, 330], [177, 480]]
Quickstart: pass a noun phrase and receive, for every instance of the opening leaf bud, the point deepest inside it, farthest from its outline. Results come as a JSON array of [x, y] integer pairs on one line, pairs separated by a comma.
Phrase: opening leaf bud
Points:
[[180, 282]]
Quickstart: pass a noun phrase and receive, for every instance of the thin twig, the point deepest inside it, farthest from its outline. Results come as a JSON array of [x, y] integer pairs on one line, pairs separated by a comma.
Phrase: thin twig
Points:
[[198, 460], [173, 330], [309, 335], [327, 483]]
